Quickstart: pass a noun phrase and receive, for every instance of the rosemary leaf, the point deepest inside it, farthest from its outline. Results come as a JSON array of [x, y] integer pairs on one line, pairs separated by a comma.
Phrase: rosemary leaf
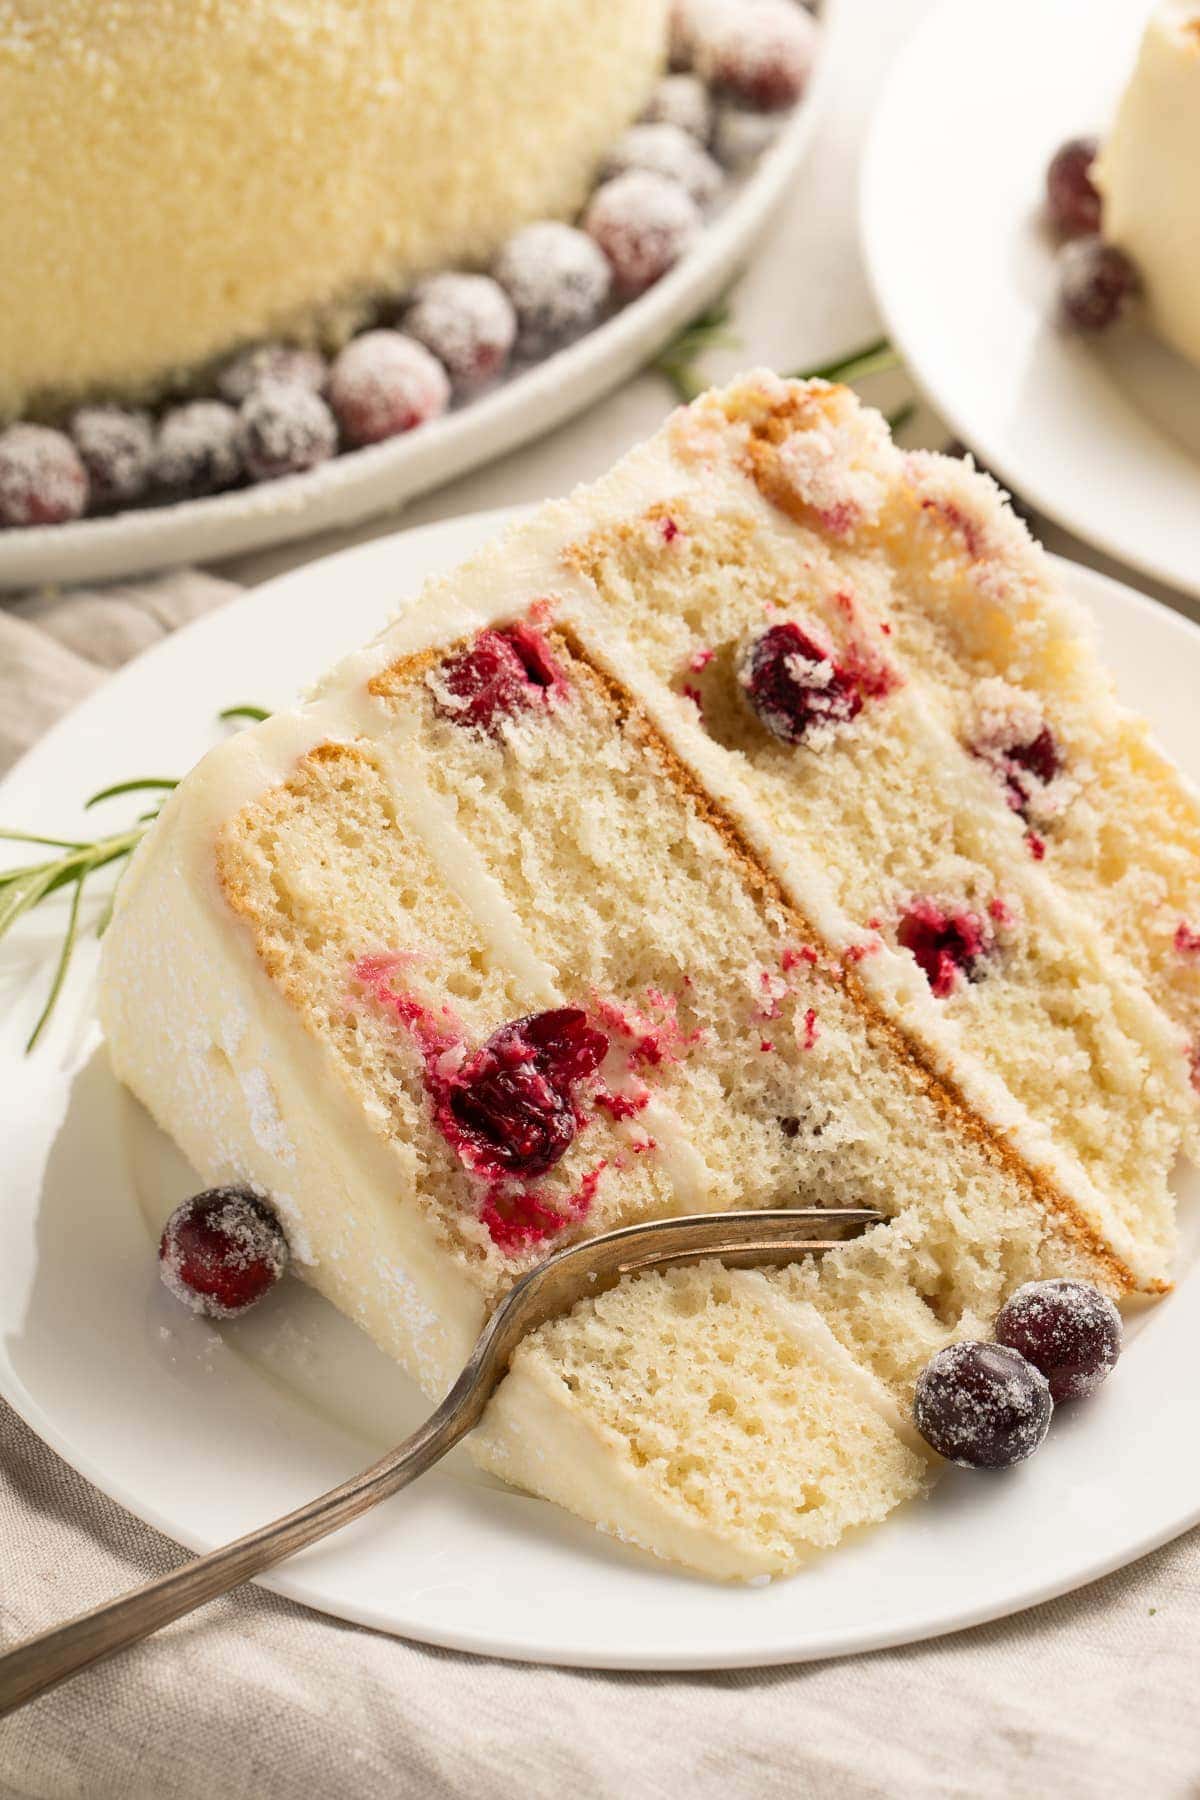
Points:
[[31, 837], [64, 958], [257, 713], [129, 787], [872, 359]]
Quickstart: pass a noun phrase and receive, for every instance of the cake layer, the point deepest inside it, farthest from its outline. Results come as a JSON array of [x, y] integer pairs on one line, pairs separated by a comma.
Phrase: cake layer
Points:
[[180, 179]]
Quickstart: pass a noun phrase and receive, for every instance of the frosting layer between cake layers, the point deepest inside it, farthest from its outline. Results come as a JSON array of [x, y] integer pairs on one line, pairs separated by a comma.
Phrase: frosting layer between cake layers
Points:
[[182, 177], [338, 907]]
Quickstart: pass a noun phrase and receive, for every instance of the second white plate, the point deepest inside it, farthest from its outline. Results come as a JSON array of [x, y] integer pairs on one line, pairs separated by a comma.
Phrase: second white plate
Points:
[[1102, 435], [206, 1433]]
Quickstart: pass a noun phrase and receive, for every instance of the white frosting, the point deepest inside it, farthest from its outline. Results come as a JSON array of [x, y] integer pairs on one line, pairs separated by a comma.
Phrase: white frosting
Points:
[[1148, 169]]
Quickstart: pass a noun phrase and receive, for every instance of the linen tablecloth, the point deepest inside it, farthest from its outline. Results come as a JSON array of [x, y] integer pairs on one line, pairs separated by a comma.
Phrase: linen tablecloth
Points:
[[256, 1698]]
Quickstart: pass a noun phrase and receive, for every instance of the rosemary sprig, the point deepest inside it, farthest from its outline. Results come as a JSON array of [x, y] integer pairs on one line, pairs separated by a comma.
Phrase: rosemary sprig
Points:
[[678, 363], [872, 359], [76, 860]]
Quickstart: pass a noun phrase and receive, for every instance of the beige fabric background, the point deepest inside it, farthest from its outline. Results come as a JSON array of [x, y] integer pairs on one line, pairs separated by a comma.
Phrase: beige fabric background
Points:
[[258, 1699]]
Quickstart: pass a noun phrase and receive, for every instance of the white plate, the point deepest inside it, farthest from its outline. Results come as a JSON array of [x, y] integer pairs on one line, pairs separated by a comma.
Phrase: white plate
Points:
[[365, 482], [205, 1433], [1102, 435]]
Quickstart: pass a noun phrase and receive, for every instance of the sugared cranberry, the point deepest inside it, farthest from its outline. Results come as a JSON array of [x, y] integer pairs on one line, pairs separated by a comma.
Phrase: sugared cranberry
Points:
[[1072, 198], [795, 685], [468, 323], [501, 674], [1095, 283], [666, 150], [558, 281], [945, 944], [42, 479], [117, 448], [221, 1251], [384, 383], [643, 223], [513, 1099], [294, 364], [1067, 1329], [284, 428], [982, 1405], [761, 53], [682, 101], [198, 450]]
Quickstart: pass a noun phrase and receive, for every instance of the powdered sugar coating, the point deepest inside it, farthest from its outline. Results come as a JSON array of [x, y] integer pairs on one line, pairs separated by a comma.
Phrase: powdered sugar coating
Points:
[[116, 445], [198, 451], [42, 479], [221, 1251], [666, 150], [558, 281], [643, 223], [682, 101], [384, 383], [982, 1405], [283, 428], [761, 53], [1067, 1329], [468, 322], [296, 364]]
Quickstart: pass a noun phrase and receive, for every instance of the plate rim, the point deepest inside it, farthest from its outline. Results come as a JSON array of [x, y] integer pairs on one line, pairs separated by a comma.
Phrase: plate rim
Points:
[[989, 449], [708, 1653]]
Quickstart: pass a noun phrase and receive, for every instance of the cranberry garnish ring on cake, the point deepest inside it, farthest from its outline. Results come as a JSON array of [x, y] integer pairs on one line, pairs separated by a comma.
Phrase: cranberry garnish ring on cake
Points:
[[755, 825]]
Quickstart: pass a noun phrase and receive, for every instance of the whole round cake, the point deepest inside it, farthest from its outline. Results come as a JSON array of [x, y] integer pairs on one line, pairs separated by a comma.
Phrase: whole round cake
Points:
[[182, 177]]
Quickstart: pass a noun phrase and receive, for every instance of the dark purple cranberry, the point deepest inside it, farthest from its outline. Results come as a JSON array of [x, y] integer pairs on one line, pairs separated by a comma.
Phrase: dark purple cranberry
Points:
[[982, 1405], [760, 54], [945, 944], [197, 451], [284, 428], [512, 1100], [1067, 1329], [795, 685], [503, 673], [468, 323], [221, 1251], [1095, 283], [558, 281], [42, 479], [644, 223], [1072, 199], [294, 364], [117, 448], [384, 383]]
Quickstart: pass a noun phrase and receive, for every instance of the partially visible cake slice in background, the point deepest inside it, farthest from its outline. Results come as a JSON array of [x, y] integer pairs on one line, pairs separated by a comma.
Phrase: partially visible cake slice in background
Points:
[[754, 827]]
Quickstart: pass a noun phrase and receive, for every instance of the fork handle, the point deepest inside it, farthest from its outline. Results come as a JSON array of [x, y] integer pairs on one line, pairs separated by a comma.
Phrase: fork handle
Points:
[[42, 1661]]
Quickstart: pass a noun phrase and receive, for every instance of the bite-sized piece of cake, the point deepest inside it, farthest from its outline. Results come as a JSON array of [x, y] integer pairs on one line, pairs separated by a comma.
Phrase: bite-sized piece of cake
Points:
[[181, 179], [500, 941], [1146, 173]]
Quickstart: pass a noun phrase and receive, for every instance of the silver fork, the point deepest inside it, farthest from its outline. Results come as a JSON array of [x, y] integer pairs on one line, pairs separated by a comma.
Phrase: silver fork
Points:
[[741, 1240]]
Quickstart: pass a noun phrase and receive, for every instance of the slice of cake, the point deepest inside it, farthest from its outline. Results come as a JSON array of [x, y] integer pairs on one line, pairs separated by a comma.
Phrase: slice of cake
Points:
[[1146, 173], [743, 831]]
